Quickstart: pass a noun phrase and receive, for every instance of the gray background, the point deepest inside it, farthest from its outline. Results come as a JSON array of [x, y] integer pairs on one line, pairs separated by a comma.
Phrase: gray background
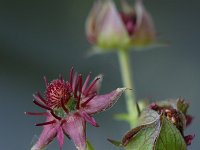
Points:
[[47, 37]]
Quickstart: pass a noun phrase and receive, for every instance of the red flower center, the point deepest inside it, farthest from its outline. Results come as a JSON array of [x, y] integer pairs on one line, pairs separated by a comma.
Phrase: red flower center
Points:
[[63, 97], [129, 21], [56, 92]]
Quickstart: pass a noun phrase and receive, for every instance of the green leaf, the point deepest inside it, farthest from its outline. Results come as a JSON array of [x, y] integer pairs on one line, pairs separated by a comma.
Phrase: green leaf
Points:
[[122, 117], [89, 146], [154, 132], [170, 137], [148, 116], [116, 143], [143, 137]]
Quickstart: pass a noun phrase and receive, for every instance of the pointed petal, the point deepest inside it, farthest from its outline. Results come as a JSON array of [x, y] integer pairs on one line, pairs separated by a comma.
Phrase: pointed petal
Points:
[[86, 82], [189, 119], [89, 118], [145, 31], [91, 31], [103, 102], [97, 85], [74, 81], [60, 137], [111, 31], [75, 128], [48, 134], [188, 139]]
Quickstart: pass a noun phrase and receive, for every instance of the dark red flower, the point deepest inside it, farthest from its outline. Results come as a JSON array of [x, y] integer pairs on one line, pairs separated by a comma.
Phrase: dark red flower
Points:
[[68, 105]]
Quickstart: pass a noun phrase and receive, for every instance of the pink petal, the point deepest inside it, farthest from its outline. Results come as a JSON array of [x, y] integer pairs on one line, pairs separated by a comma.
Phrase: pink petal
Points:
[[75, 128], [91, 31], [97, 85], [60, 137], [89, 118], [48, 134], [103, 102], [145, 31], [110, 28]]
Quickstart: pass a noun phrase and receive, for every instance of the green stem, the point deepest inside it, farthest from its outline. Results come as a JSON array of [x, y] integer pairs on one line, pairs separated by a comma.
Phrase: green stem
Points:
[[127, 77]]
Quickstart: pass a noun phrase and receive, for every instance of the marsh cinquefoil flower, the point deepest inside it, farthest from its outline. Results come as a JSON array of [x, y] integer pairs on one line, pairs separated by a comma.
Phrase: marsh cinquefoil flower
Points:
[[107, 28], [69, 105]]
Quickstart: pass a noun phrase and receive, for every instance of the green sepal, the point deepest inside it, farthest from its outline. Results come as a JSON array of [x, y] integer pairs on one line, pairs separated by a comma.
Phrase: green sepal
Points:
[[89, 146], [182, 105], [170, 137], [116, 143], [122, 117], [154, 132], [144, 135]]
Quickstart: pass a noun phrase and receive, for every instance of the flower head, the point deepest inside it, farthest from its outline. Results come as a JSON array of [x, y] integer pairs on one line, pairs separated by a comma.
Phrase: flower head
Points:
[[68, 105], [107, 28]]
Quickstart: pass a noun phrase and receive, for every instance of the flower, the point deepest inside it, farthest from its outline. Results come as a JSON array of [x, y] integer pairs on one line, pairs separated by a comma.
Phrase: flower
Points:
[[69, 105], [107, 28]]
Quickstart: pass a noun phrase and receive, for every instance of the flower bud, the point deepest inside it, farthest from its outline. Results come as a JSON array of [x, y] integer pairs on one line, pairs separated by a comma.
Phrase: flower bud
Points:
[[106, 28]]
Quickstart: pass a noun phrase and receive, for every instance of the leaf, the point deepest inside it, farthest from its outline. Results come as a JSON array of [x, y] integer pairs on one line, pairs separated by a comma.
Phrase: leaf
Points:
[[122, 117], [89, 146], [143, 137], [116, 143], [170, 137], [154, 132], [148, 116]]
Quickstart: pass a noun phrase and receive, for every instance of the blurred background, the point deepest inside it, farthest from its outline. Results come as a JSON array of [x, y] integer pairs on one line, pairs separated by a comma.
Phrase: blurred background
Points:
[[40, 38]]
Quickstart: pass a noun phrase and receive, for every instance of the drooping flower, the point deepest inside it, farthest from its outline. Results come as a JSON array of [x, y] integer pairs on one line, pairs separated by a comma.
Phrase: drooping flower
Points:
[[69, 105], [107, 28]]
